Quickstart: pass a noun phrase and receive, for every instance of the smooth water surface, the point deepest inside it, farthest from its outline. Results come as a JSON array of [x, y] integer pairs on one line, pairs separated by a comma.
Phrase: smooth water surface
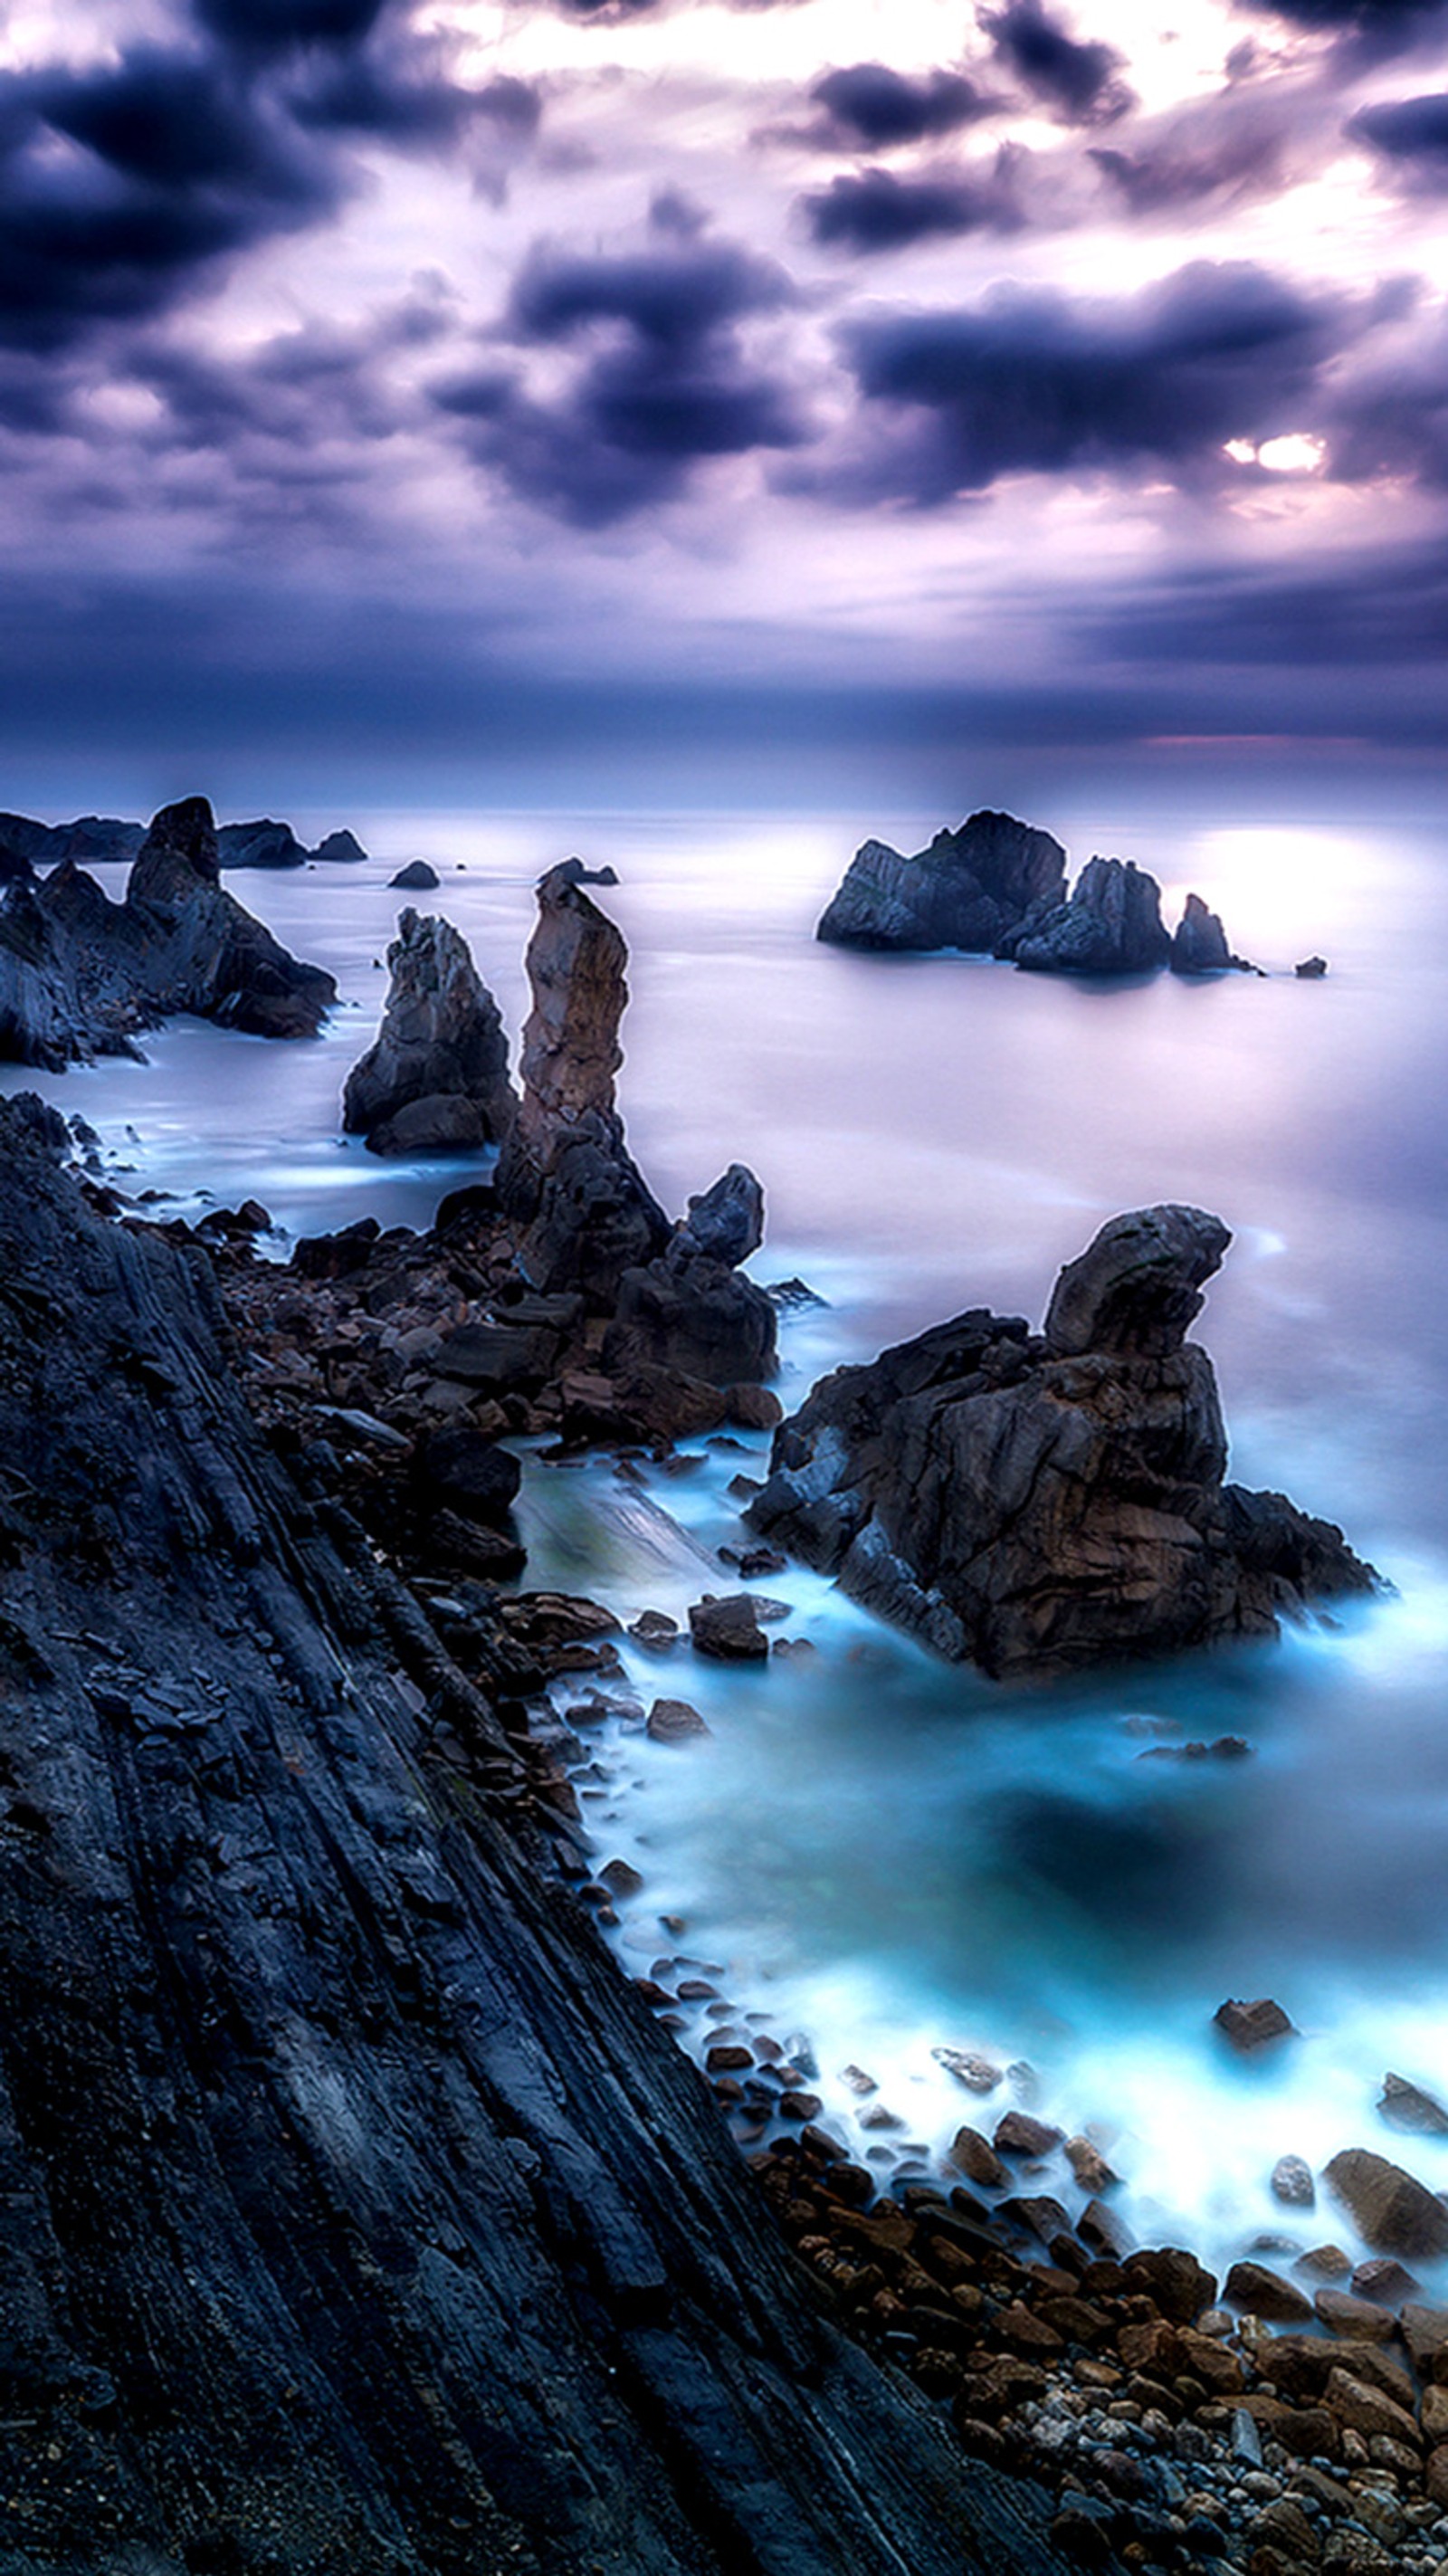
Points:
[[891, 1855]]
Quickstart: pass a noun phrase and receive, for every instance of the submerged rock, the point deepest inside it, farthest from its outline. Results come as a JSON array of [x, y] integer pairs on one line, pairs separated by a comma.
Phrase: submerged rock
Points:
[[1392, 2212], [1112, 925], [970, 889], [436, 1078], [1037, 1504]]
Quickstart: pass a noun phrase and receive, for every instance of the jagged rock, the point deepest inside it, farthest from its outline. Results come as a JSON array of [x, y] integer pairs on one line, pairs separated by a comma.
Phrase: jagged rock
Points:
[[690, 1310], [727, 1221], [93, 838], [566, 1175], [1392, 2212], [1248, 2026], [1199, 942], [577, 874], [1112, 925], [418, 877], [80, 975], [1037, 1505], [319, 2248], [436, 1077], [1407, 2106], [970, 889], [727, 1629]]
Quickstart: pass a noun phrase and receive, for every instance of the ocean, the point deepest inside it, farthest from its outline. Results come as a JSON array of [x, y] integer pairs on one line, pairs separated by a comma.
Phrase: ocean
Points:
[[882, 1855]]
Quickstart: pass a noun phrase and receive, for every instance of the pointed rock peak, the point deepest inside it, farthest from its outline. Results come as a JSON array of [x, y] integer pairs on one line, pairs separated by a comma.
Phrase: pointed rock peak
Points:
[[1137, 1286], [182, 838], [727, 1221], [576, 959]]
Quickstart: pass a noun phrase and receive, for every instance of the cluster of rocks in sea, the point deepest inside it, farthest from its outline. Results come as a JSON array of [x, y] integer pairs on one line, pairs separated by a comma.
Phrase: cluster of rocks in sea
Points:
[[1038, 1502], [94, 840], [999, 886], [81, 975]]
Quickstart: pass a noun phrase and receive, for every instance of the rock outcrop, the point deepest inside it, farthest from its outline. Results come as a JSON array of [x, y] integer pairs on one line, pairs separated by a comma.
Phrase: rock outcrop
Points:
[[566, 1176], [418, 877], [81, 975], [357, 2214], [436, 1078], [93, 839], [1112, 925], [1199, 943], [690, 1309], [970, 889], [1039, 1503]]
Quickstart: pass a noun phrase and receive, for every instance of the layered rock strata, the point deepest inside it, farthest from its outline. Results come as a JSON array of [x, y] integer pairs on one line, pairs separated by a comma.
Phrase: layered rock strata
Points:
[[1036, 1503], [436, 1078], [356, 2214], [80, 975]]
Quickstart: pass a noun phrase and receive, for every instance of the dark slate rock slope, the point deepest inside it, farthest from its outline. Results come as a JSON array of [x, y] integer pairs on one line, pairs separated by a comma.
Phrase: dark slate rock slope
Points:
[[356, 2216]]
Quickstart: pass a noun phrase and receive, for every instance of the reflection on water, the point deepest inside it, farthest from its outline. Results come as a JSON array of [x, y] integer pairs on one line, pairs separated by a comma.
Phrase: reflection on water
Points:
[[891, 1854]]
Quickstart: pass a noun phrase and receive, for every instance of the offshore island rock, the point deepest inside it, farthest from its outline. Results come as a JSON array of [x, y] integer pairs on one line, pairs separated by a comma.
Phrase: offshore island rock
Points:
[[566, 1176], [970, 889], [81, 975], [436, 1078], [1038, 1504], [1111, 926]]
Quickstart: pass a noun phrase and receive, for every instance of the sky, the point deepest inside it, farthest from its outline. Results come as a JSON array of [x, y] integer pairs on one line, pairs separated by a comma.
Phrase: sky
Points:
[[430, 383]]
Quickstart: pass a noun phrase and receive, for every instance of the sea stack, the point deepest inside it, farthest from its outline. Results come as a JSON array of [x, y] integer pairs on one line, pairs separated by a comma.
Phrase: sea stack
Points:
[[435, 1080], [1038, 1503]]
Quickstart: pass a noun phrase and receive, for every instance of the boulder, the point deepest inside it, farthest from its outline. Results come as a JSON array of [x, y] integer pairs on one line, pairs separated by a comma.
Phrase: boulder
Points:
[[1199, 942], [435, 1078], [1249, 2026], [1039, 1504], [727, 1629], [1292, 2182], [673, 1721], [726, 1223], [1265, 2294], [342, 848], [1392, 2212], [970, 889], [566, 1178], [1407, 2106], [1017, 2133], [458, 1469], [1112, 925], [418, 877]]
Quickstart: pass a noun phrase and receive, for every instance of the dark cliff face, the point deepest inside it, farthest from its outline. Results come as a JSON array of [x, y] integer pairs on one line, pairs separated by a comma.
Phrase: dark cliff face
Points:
[[970, 889], [357, 2217], [1037, 1504]]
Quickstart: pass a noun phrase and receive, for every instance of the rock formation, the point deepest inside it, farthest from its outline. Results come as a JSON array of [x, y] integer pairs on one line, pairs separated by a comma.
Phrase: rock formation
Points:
[[690, 1309], [970, 889], [259, 845], [356, 2213], [1038, 1503], [81, 975], [436, 1078], [1112, 925], [566, 1176], [92, 839], [418, 877], [1199, 942]]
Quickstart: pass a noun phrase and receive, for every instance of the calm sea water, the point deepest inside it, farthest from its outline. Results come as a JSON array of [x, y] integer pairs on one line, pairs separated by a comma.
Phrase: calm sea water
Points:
[[885, 1854]]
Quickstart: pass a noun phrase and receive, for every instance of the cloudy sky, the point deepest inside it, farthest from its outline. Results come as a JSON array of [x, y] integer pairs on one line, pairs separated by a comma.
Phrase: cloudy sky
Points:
[[417, 374]]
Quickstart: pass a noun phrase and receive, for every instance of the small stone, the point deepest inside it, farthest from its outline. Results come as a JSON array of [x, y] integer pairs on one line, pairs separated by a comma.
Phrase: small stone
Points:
[[655, 1628], [1248, 2026], [1310, 970], [1407, 2106], [1018, 2134], [1266, 2294], [978, 2074], [1358, 2319], [799, 2106], [1386, 2283], [1324, 2263], [976, 2158], [727, 1628], [1292, 2182], [1089, 2166], [857, 2081], [621, 1878]]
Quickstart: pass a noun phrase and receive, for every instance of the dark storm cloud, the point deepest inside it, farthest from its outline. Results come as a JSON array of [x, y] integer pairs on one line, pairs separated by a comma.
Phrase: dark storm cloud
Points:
[[1080, 81], [1029, 383], [1373, 610], [1233, 147], [281, 26], [166, 164], [873, 210], [1410, 133], [867, 103], [664, 381]]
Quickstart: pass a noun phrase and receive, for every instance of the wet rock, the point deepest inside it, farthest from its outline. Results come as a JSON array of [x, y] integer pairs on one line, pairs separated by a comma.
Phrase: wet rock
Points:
[[1407, 2106], [1170, 2275], [1088, 2166], [1358, 2319], [977, 2073], [1384, 2281], [1292, 2182], [418, 877], [971, 888], [1250, 2026], [1265, 2294], [727, 1629], [1018, 2134], [1425, 2331], [976, 2158], [655, 1628], [1112, 925], [645, 1405], [726, 1223], [1364, 2409], [436, 1078], [1039, 1505], [621, 1878], [689, 1312], [752, 1408], [674, 1721], [1394, 2213]]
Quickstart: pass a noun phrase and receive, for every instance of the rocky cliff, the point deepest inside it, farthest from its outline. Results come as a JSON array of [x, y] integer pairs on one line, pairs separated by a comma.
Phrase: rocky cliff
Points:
[[357, 2216], [1036, 1503]]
